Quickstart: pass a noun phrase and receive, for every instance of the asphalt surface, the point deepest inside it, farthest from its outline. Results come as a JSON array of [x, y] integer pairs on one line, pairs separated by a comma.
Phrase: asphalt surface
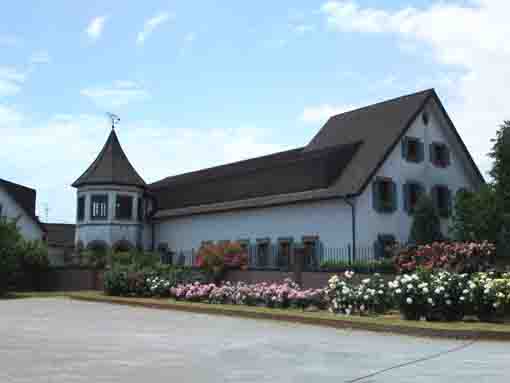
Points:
[[65, 341]]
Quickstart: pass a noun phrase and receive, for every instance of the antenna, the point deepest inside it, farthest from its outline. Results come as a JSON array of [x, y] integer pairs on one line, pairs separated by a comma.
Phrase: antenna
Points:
[[113, 118]]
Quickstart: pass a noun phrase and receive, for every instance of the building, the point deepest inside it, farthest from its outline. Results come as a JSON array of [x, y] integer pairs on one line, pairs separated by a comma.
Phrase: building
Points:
[[60, 242], [353, 186], [17, 202]]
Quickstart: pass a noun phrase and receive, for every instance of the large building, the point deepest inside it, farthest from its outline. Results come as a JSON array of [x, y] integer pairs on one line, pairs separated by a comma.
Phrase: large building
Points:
[[353, 186]]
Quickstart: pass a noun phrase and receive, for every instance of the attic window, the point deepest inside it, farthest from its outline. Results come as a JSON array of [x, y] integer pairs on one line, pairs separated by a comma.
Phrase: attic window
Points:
[[439, 154], [412, 149], [425, 118], [124, 207], [384, 195]]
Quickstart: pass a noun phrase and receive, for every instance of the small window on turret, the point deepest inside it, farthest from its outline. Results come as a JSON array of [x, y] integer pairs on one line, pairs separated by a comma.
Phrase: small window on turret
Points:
[[124, 207], [81, 208], [99, 206]]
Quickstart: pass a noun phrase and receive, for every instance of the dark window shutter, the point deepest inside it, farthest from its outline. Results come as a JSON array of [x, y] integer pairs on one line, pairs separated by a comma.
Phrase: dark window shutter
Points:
[[449, 199], [404, 148], [435, 197], [420, 147], [446, 156], [406, 191], [394, 196], [432, 153], [376, 196]]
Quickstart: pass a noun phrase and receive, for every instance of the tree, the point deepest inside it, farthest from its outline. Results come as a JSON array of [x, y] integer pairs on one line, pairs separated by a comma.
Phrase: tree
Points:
[[500, 171], [10, 246], [477, 216], [426, 226]]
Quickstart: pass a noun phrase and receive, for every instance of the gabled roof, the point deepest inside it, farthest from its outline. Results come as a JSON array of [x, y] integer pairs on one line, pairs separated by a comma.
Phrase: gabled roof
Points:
[[60, 234], [111, 167], [24, 196], [361, 139], [291, 171]]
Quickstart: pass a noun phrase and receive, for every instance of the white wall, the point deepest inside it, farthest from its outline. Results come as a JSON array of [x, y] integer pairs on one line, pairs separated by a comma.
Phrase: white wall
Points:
[[29, 229], [457, 175], [330, 220]]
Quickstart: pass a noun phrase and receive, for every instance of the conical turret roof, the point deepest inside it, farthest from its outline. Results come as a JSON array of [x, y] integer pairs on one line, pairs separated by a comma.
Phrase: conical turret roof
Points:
[[111, 167]]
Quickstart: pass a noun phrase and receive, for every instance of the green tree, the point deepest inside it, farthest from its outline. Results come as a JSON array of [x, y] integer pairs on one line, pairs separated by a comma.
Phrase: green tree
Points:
[[426, 226], [477, 216], [500, 171], [10, 246]]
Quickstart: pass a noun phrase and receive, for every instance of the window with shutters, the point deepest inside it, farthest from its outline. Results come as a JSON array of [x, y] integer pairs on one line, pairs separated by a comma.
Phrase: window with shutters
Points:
[[284, 251], [140, 209], [124, 207], [442, 200], [99, 206], [412, 193], [263, 248], [311, 247], [81, 209], [439, 155], [412, 149], [384, 195]]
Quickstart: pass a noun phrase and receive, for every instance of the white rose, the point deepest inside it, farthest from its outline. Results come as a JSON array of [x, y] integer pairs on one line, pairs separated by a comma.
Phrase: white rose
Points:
[[398, 291], [409, 301]]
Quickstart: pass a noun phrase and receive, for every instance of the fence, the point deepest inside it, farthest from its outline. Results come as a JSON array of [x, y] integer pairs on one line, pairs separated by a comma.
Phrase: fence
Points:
[[276, 257]]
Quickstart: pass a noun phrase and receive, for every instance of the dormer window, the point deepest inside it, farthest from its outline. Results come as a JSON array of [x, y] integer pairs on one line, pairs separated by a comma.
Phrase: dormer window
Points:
[[412, 149], [124, 207], [439, 154], [384, 195], [99, 206]]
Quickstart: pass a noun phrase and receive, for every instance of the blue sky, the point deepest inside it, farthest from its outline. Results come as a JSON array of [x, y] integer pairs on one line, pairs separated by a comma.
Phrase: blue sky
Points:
[[200, 83]]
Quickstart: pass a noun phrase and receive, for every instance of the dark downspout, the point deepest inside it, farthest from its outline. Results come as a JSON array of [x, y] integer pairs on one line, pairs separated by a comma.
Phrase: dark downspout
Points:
[[353, 213]]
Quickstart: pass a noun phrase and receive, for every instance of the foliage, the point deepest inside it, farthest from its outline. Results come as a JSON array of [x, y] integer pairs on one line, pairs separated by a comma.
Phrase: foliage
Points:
[[461, 257], [135, 259], [96, 259], [500, 172], [450, 296], [490, 295], [477, 216], [411, 293], [215, 258], [10, 243], [364, 267], [34, 256], [426, 225]]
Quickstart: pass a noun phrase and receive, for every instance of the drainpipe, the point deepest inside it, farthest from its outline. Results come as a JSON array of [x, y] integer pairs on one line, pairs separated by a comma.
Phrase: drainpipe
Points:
[[352, 204]]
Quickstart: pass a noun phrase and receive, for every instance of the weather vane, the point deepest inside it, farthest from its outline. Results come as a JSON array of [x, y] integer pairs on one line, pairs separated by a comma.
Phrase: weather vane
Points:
[[114, 118]]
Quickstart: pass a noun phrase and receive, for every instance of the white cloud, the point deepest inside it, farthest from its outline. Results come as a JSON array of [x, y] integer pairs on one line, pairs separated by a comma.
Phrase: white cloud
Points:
[[40, 57], [95, 27], [469, 39], [154, 148], [11, 81], [150, 25], [301, 29], [321, 113], [190, 37], [120, 93]]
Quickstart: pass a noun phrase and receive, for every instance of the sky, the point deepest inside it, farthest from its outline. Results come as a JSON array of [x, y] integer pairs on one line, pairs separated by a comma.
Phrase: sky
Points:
[[203, 83]]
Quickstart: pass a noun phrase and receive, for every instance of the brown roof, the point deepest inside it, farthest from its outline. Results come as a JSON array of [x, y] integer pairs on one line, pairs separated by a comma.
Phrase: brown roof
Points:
[[111, 167], [362, 139], [291, 171], [60, 234], [24, 196]]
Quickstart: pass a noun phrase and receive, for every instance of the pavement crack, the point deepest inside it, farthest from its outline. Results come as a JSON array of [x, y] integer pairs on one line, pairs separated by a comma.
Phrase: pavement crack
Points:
[[412, 362]]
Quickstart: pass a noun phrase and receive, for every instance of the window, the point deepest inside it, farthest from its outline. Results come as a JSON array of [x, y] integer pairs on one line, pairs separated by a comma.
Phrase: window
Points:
[[441, 196], [310, 245], [81, 208], [384, 195], [412, 193], [263, 247], [140, 209], [124, 207], [439, 155], [99, 206], [412, 149], [284, 252]]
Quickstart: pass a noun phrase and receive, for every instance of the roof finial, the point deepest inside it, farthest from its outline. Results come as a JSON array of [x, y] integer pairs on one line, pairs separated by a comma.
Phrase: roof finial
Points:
[[114, 118]]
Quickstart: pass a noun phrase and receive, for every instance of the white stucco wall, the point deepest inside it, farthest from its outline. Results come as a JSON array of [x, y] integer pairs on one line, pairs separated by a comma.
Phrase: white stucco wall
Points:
[[457, 175], [330, 220], [29, 229]]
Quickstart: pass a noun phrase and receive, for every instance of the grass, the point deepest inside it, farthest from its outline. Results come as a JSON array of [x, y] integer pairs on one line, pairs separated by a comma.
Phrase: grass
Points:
[[383, 323], [36, 294]]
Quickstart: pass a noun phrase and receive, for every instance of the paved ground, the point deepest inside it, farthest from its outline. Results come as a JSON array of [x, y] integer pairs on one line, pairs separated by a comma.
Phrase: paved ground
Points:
[[64, 341]]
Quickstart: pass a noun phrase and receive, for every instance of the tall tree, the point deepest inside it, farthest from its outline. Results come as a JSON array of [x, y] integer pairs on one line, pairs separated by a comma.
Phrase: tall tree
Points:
[[500, 171], [426, 226]]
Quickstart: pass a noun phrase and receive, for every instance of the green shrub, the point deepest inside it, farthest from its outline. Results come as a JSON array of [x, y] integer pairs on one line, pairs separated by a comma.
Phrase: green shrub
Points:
[[34, 256], [426, 226], [10, 248]]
